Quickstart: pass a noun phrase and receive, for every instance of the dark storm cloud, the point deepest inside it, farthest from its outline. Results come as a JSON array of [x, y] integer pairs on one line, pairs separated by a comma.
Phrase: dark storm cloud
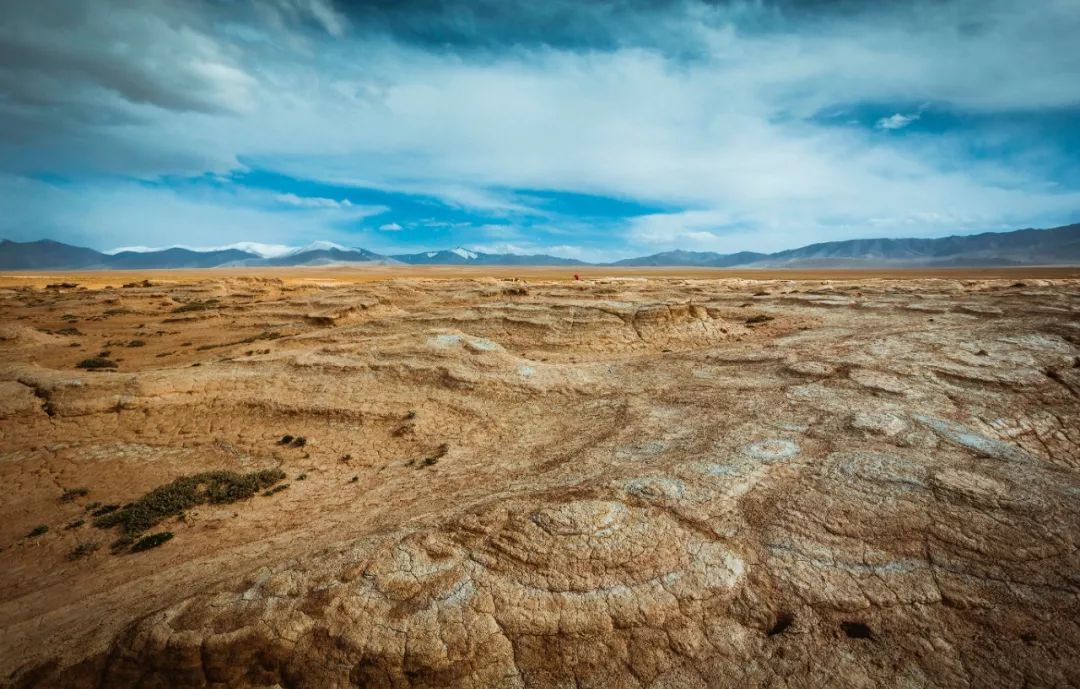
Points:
[[669, 25], [55, 52], [84, 82], [489, 24]]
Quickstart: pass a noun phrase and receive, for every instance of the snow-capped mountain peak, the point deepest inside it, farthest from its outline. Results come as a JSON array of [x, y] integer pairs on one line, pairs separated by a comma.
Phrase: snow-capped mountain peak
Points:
[[257, 248], [318, 246], [264, 250], [464, 253]]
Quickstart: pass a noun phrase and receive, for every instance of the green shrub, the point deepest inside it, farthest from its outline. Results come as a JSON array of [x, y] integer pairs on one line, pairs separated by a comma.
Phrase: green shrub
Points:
[[97, 362], [73, 493], [151, 541], [82, 550], [196, 306], [214, 487], [432, 460]]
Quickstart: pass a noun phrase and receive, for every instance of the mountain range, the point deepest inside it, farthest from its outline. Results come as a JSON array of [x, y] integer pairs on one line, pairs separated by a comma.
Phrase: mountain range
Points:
[[465, 257], [1056, 246]]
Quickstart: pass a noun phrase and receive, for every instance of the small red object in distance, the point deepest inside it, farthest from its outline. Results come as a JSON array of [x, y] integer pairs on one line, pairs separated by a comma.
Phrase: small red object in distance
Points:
[[576, 276]]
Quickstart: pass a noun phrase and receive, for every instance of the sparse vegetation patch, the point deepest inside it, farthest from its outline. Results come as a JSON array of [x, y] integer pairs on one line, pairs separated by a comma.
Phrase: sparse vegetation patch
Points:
[[293, 441], [264, 335], [432, 459], [96, 363], [196, 306], [151, 541], [214, 487], [71, 494], [82, 550]]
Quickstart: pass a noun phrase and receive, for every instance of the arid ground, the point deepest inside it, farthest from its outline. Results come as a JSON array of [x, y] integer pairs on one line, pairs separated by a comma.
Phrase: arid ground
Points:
[[662, 479]]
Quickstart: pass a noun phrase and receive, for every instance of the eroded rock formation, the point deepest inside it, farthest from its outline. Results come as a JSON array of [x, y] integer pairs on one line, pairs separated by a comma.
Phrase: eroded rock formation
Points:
[[615, 483]]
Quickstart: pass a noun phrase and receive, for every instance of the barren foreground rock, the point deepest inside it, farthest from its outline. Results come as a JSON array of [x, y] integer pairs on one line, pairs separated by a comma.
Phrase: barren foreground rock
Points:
[[613, 483]]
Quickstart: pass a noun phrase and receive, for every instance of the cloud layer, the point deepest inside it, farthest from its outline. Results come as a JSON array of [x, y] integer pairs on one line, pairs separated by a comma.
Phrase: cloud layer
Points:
[[605, 129]]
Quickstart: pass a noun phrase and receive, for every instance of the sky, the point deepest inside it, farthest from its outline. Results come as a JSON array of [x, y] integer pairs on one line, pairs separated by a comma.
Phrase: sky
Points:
[[596, 130]]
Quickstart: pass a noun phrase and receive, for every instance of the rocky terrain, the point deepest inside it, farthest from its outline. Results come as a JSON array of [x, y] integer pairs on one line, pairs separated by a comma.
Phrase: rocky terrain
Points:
[[663, 483]]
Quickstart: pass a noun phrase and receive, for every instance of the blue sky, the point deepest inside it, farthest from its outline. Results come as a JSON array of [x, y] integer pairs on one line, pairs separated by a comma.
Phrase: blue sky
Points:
[[591, 130]]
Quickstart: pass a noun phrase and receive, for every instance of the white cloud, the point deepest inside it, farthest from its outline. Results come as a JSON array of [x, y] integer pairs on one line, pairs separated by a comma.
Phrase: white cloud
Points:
[[897, 121], [391, 227], [730, 134], [112, 214], [281, 13], [311, 201]]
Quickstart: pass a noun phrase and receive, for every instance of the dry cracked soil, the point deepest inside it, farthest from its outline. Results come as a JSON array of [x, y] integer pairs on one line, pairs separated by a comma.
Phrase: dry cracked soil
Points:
[[669, 482]]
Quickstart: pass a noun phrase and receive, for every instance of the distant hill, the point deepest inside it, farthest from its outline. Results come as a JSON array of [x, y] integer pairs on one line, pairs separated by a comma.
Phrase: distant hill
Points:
[[1057, 246], [465, 257], [708, 259], [175, 258], [1060, 245], [46, 253], [322, 256]]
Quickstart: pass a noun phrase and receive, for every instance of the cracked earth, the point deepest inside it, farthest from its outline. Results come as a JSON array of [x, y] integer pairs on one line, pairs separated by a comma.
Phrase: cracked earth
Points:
[[641, 483]]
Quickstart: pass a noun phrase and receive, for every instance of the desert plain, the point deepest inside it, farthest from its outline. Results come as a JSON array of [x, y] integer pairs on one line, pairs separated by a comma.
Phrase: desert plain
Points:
[[665, 479]]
